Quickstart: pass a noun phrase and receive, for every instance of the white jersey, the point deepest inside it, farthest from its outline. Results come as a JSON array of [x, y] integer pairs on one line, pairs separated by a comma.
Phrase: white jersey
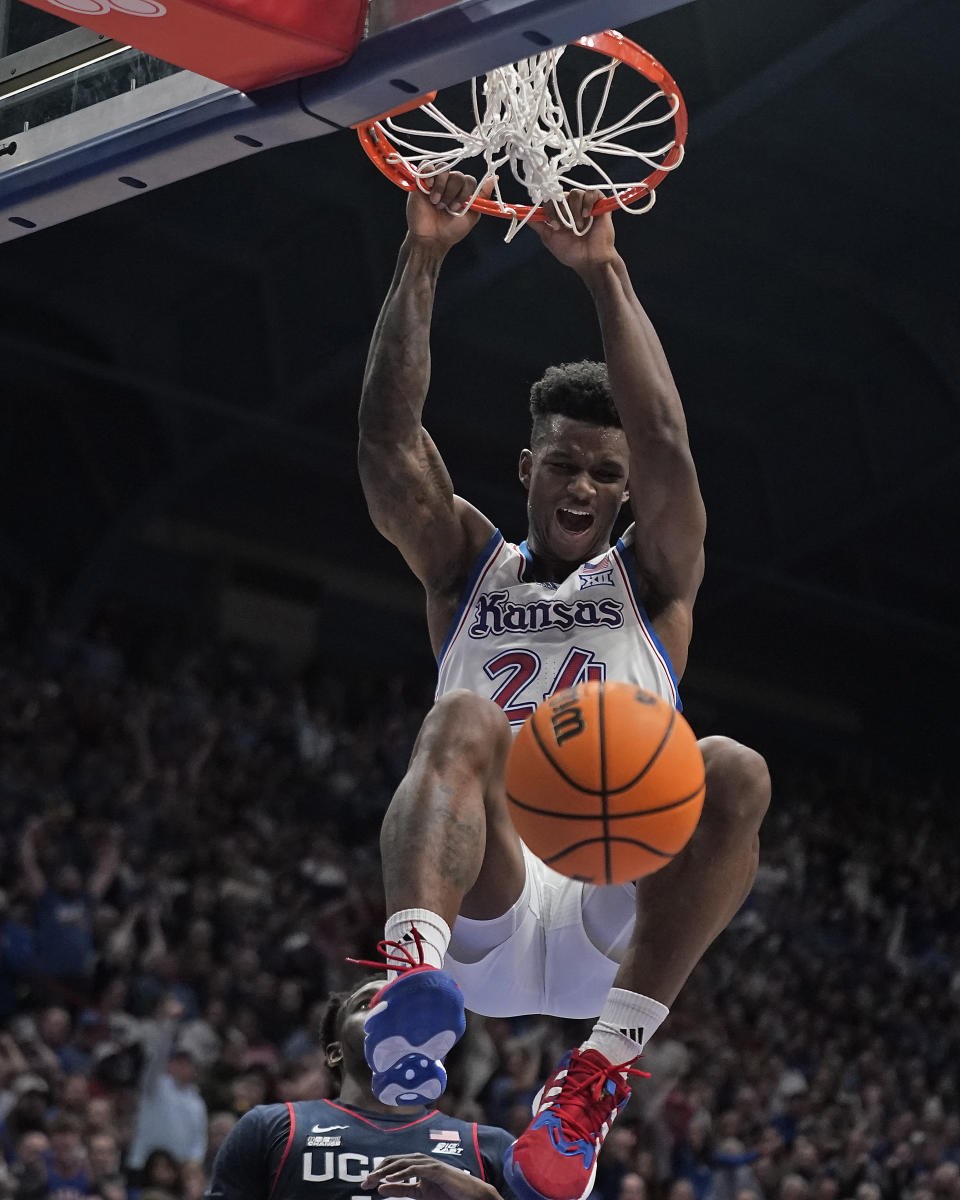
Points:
[[518, 641]]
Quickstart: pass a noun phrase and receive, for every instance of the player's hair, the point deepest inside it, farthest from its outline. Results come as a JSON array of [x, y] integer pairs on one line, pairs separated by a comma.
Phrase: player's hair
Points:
[[331, 1021], [579, 390]]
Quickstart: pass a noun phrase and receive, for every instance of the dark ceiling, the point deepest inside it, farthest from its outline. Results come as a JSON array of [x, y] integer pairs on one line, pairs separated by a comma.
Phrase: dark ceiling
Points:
[[180, 372]]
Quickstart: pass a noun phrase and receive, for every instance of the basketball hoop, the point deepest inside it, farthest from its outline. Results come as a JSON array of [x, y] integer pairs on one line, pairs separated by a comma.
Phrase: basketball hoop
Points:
[[520, 121]]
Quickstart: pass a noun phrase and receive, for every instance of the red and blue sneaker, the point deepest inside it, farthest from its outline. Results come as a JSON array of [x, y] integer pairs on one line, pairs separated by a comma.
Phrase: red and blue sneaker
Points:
[[411, 1025], [556, 1157]]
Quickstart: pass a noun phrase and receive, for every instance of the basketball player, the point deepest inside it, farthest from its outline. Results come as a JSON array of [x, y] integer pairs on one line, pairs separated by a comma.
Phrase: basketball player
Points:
[[355, 1145], [469, 907]]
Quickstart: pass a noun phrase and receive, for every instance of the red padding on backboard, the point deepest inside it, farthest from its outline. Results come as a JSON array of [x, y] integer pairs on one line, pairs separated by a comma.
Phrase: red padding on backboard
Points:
[[244, 43]]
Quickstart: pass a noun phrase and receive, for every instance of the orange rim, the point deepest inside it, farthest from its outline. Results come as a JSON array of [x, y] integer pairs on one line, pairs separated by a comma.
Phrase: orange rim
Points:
[[376, 140]]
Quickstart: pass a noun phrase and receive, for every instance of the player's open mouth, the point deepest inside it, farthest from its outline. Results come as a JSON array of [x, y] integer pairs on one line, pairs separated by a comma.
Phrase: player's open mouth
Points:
[[574, 520]]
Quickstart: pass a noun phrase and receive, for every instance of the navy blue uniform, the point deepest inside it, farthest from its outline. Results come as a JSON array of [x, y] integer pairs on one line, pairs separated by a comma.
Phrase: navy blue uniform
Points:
[[322, 1150]]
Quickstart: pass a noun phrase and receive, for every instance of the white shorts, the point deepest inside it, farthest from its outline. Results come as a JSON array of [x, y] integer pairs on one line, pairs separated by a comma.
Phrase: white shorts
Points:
[[554, 953]]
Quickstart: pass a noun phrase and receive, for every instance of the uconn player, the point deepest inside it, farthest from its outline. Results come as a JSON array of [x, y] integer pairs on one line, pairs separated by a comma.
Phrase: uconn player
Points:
[[356, 1147], [468, 904]]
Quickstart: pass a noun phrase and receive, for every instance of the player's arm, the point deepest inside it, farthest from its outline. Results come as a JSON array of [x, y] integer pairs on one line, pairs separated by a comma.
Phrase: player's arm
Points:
[[664, 493], [407, 488]]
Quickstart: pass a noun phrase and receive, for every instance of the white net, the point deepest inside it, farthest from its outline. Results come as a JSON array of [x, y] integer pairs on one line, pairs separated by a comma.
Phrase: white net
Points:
[[524, 125]]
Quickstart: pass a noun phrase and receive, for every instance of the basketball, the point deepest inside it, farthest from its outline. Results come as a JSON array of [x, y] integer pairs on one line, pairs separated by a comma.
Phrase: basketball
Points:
[[605, 782]]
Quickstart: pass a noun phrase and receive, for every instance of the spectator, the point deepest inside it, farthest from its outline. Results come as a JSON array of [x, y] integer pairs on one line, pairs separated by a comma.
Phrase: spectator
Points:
[[945, 1181], [54, 1028], [632, 1187], [306, 1038], [103, 1161], [74, 1092], [100, 1116], [29, 1167], [12, 1064], [869, 1191], [616, 1159], [218, 1127], [30, 1095], [171, 1115], [204, 1036], [162, 1178], [517, 1084], [856, 1165], [732, 1170], [17, 955], [67, 1177], [64, 912]]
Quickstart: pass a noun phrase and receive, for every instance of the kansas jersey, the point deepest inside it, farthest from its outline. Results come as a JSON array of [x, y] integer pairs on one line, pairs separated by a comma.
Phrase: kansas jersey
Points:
[[322, 1150], [518, 641]]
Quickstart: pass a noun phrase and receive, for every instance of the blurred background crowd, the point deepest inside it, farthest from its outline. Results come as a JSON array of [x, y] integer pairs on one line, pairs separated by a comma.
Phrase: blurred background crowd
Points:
[[189, 854]]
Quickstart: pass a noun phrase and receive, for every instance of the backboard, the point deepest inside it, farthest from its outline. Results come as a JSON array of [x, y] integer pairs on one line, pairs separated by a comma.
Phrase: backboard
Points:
[[86, 121]]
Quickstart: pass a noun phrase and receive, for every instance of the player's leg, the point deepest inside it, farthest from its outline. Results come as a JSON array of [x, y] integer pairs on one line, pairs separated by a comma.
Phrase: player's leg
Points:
[[680, 910], [446, 836], [447, 842], [684, 906]]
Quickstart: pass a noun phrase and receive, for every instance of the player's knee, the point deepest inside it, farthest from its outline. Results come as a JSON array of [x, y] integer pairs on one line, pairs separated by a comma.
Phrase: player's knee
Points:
[[738, 783], [464, 726]]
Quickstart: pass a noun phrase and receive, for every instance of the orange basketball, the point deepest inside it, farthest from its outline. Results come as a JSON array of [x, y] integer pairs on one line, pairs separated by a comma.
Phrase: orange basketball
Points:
[[605, 782]]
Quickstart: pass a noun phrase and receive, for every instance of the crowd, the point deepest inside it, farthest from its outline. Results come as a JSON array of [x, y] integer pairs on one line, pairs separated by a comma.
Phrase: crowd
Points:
[[189, 855]]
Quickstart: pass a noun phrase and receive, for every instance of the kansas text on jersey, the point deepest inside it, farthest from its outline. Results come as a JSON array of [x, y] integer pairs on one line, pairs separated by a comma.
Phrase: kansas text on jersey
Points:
[[322, 1150], [518, 641]]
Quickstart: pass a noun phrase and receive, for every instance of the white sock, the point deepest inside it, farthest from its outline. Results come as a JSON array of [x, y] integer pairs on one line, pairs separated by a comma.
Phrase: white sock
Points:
[[433, 929], [625, 1025]]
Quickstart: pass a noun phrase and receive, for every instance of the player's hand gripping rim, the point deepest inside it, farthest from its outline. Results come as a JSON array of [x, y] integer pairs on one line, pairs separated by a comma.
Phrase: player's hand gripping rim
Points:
[[590, 244], [437, 210], [423, 1177]]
